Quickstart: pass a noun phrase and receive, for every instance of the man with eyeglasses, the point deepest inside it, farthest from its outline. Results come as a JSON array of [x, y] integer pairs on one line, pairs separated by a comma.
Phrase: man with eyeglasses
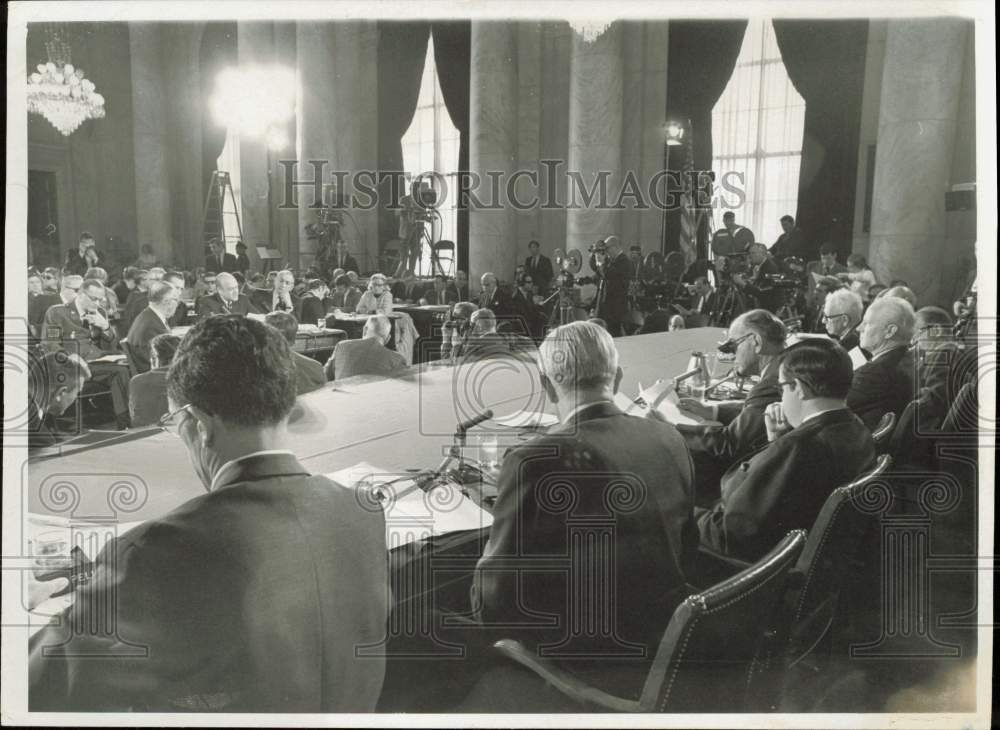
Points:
[[943, 365], [528, 314], [69, 287], [226, 299], [82, 327], [842, 312], [758, 338], [253, 597], [815, 445], [152, 321], [278, 299]]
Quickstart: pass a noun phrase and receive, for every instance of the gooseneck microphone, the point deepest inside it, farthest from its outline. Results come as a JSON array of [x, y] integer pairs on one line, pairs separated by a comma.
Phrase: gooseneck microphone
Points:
[[464, 426]]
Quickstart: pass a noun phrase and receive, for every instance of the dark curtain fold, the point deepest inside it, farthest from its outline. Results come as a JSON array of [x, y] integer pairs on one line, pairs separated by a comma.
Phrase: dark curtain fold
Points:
[[453, 59], [402, 48], [218, 50], [825, 60], [700, 62]]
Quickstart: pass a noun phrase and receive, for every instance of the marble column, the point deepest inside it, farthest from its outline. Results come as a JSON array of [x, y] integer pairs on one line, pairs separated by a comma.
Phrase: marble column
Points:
[[493, 147], [921, 84], [149, 138], [595, 137], [255, 46], [338, 71]]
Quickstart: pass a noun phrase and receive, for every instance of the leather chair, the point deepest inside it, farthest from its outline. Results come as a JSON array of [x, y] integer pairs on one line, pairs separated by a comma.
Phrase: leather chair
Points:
[[907, 444], [883, 431], [709, 653]]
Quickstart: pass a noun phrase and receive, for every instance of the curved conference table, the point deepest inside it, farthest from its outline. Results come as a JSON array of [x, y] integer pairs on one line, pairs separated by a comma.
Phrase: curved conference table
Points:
[[399, 423]]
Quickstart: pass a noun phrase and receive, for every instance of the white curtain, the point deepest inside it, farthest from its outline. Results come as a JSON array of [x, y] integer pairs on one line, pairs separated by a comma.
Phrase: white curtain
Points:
[[757, 131]]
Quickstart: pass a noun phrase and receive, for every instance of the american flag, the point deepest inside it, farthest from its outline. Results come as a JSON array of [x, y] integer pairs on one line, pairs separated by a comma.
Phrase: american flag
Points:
[[690, 215]]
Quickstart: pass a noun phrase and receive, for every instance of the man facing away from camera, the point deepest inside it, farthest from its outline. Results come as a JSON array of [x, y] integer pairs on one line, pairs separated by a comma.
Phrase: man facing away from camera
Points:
[[252, 597]]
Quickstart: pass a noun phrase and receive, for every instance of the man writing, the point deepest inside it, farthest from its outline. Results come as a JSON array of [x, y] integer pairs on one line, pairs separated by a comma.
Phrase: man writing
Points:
[[252, 597]]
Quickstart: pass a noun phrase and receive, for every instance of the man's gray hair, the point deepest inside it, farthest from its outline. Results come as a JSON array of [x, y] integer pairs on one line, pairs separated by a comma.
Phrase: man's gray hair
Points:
[[768, 327], [158, 291], [483, 321], [156, 273], [378, 325], [376, 278], [225, 276], [579, 355], [847, 302], [893, 310]]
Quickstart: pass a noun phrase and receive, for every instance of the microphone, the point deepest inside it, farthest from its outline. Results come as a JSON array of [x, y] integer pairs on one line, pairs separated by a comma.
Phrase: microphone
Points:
[[464, 426]]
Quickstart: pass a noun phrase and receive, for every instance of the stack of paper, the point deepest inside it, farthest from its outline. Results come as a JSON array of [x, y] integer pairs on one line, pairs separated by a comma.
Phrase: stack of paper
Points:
[[664, 400], [527, 419]]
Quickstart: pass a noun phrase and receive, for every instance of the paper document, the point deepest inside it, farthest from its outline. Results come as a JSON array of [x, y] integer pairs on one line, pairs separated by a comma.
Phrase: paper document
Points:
[[667, 407], [527, 419], [411, 514], [857, 357], [109, 358]]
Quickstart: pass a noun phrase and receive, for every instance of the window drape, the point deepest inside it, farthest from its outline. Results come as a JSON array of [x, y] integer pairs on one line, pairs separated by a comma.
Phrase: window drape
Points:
[[825, 61], [218, 50]]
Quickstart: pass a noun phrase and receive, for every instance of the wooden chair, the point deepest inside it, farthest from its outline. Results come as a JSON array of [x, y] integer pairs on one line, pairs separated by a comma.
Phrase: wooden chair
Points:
[[709, 652], [882, 433]]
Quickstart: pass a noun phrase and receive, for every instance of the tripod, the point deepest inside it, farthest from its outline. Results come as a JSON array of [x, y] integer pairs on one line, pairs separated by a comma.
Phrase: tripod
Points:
[[731, 304]]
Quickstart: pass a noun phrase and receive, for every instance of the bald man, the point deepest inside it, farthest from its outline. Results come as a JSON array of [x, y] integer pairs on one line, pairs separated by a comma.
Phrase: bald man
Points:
[[226, 299], [886, 382]]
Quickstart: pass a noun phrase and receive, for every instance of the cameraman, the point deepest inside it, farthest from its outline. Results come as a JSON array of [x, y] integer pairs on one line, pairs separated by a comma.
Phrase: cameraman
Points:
[[613, 270]]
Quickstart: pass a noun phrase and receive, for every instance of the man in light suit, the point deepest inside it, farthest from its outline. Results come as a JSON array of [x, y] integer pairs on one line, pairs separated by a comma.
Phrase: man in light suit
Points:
[[147, 392], [152, 321], [226, 299], [815, 445], [492, 297], [253, 597], [308, 373], [82, 327], [885, 383], [367, 356]]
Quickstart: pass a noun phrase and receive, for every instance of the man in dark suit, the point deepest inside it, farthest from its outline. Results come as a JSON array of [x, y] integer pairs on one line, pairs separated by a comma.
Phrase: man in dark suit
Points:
[[180, 316], [138, 300], [791, 242], [253, 597], [634, 474], [461, 286], [56, 379], [218, 260], [538, 267], [407, 289], [816, 445], [242, 260], [128, 283], [759, 285], [308, 373], [885, 383], [280, 298], [492, 297], [147, 392], [226, 300], [82, 327], [759, 339], [529, 318], [367, 356], [704, 300], [152, 321], [842, 312], [345, 296], [313, 304], [342, 259], [83, 257], [613, 268]]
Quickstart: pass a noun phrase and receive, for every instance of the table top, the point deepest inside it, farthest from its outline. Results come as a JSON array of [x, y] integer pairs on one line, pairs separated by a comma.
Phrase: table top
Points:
[[397, 423]]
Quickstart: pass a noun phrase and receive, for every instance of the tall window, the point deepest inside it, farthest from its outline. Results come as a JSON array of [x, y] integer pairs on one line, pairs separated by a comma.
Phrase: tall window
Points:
[[431, 144], [229, 161], [757, 131]]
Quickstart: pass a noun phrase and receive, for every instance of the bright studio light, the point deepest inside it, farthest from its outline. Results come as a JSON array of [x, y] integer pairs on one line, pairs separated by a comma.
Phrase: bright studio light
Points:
[[255, 100], [674, 132]]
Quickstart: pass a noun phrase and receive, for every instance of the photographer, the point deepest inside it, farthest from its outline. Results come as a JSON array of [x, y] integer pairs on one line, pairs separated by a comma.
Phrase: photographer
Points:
[[614, 271], [759, 284]]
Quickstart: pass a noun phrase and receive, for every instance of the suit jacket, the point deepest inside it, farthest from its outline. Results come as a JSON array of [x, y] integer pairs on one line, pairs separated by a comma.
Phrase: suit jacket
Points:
[[251, 598], [851, 340], [942, 370], [227, 263], [743, 425], [309, 375], [263, 301], [63, 329], [498, 302], [242, 263], [541, 273], [784, 485], [147, 397], [180, 318], [614, 305], [346, 302], [529, 317], [212, 304], [137, 301], [635, 474], [349, 263], [790, 244], [38, 305], [362, 357], [145, 327], [77, 264], [311, 309], [882, 385]]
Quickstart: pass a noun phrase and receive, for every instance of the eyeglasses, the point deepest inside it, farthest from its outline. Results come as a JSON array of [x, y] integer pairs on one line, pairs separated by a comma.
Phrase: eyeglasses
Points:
[[789, 383], [827, 317], [730, 346], [171, 422]]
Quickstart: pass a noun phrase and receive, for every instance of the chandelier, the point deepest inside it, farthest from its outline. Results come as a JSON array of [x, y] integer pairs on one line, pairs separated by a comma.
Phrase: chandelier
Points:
[[61, 93], [590, 29]]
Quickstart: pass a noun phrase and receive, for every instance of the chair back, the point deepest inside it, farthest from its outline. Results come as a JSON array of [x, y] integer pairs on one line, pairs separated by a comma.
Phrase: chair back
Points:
[[129, 358], [444, 254], [906, 444], [882, 432], [827, 560], [709, 652], [963, 416]]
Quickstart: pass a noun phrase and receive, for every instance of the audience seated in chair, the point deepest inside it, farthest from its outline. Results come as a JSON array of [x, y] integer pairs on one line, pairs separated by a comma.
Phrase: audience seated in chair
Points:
[[312, 306], [377, 299], [309, 374], [345, 296], [226, 299], [816, 444], [842, 313], [147, 392], [265, 585], [885, 383], [55, 380], [152, 321], [367, 356]]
